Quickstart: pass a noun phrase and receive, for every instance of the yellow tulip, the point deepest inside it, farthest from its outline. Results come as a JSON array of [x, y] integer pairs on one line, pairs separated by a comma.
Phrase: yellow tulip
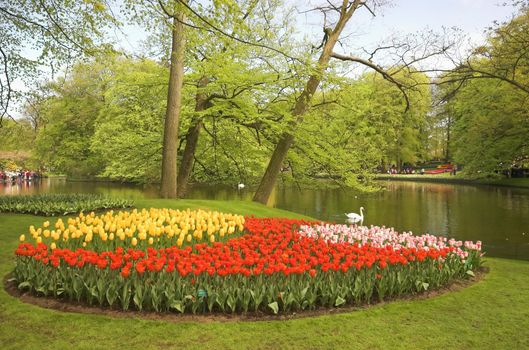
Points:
[[22, 238], [134, 241], [53, 245], [151, 241], [212, 238], [46, 224]]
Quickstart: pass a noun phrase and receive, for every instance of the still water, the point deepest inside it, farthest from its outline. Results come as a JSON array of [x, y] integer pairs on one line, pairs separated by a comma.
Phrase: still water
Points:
[[497, 216]]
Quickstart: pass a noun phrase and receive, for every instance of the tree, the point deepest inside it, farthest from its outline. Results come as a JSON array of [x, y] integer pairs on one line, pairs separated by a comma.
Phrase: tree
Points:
[[174, 103], [485, 97], [169, 159], [41, 36], [341, 13], [63, 141], [129, 124], [505, 56], [491, 127], [357, 125], [229, 72], [269, 179]]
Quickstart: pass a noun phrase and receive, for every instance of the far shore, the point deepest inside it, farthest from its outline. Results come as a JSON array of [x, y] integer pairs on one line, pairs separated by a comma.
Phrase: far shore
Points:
[[438, 178], [445, 178]]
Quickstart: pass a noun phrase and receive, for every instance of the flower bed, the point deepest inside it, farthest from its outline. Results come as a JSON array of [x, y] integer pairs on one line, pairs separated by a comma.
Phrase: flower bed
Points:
[[380, 237], [59, 204], [140, 229], [278, 265]]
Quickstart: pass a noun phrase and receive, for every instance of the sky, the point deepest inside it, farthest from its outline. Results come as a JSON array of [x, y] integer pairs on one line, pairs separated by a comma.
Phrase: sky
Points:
[[398, 17]]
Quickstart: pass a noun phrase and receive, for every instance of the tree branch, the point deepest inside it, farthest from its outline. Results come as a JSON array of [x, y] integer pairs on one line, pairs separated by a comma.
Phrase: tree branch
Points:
[[377, 69], [217, 29]]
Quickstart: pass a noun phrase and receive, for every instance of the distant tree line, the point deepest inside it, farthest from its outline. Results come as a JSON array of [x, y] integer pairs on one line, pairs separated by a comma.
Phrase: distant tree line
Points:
[[246, 101]]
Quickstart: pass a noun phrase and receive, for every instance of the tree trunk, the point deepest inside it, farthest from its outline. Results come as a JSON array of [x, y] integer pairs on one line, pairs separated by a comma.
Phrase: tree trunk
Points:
[[269, 179], [172, 116], [186, 166], [448, 126]]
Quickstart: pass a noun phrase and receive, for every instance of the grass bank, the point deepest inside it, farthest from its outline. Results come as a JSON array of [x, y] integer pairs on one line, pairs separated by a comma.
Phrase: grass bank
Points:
[[458, 179], [490, 314]]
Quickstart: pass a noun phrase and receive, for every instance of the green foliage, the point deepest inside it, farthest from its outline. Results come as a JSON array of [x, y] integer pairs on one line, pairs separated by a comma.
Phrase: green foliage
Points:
[[164, 292], [16, 136], [491, 127], [107, 120], [38, 35], [16, 143], [129, 125], [489, 104], [59, 204], [63, 142], [357, 127]]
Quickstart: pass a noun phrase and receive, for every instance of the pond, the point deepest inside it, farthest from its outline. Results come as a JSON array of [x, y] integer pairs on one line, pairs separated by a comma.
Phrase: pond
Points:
[[498, 216]]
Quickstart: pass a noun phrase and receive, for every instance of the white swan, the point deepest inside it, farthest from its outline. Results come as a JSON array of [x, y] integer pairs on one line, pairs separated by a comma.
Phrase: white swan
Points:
[[240, 186], [354, 218]]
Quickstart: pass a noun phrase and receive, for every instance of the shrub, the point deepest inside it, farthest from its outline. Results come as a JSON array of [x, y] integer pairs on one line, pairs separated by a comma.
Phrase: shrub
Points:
[[59, 204]]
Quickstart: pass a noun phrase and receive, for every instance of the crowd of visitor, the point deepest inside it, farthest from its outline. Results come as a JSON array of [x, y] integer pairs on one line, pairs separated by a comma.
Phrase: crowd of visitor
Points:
[[19, 175], [405, 170], [439, 169]]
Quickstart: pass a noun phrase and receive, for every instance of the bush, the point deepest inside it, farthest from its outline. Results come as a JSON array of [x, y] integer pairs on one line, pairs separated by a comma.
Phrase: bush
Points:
[[59, 204]]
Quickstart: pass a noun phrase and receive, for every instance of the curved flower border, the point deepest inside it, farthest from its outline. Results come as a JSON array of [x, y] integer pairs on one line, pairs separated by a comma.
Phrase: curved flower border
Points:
[[279, 265]]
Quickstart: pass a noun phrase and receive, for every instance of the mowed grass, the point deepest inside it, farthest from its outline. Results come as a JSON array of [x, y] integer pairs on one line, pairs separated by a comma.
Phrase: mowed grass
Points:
[[491, 314]]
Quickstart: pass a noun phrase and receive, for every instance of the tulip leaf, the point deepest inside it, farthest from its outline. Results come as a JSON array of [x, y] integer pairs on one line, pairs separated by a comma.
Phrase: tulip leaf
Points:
[[339, 301], [177, 305], [24, 284], [274, 306]]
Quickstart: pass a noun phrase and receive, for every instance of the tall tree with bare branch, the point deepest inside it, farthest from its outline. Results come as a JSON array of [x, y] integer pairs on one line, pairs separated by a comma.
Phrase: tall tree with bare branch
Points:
[[331, 35]]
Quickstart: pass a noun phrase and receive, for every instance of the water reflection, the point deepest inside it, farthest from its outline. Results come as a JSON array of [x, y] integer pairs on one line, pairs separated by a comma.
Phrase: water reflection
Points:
[[60, 185], [497, 216]]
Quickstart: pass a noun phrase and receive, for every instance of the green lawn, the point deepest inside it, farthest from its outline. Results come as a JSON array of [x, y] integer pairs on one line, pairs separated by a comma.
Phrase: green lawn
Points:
[[491, 314]]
